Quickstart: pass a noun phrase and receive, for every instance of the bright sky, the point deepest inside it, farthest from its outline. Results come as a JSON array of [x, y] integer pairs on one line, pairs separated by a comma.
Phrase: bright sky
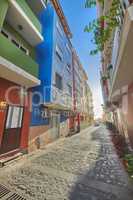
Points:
[[78, 17]]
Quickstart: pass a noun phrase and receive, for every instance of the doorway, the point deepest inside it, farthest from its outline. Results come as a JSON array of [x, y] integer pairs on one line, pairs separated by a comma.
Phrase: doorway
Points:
[[12, 131], [55, 125]]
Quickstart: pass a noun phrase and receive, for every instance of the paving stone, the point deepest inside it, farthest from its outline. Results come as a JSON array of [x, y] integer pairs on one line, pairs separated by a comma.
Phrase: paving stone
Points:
[[82, 167]]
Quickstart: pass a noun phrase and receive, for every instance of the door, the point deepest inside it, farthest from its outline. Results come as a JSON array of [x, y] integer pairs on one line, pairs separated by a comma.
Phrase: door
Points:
[[55, 125], [12, 131]]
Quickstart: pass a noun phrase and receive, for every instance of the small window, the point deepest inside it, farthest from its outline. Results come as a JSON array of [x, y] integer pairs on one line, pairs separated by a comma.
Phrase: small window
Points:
[[59, 29], [69, 90], [124, 5], [68, 67], [68, 48], [4, 33], [59, 53], [58, 81], [24, 50], [15, 42]]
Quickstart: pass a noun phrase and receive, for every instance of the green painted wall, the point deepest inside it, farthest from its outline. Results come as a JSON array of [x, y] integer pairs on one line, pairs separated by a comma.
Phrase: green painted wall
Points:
[[23, 4], [19, 38], [13, 54], [3, 11]]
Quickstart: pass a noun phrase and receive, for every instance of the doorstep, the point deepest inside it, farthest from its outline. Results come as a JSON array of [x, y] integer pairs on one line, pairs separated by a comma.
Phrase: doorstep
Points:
[[7, 157]]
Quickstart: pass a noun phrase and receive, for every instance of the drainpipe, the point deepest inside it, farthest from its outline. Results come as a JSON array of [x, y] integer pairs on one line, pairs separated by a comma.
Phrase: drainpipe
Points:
[[72, 118], [74, 87]]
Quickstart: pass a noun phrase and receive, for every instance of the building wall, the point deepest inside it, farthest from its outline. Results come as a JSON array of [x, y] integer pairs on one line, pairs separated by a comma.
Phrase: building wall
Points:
[[14, 98], [49, 64], [61, 67], [19, 39], [39, 136], [126, 121], [78, 82], [9, 50], [82, 98], [64, 126], [121, 104], [44, 58], [15, 55], [41, 129]]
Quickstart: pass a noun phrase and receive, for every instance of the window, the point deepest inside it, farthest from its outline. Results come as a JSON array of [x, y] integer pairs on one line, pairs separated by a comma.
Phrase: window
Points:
[[59, 53], [14, 117], [16, 43], [4, 33], [69, 89], [68, 49], [24, 50], [59, 28], [58, 81], [68, 67]]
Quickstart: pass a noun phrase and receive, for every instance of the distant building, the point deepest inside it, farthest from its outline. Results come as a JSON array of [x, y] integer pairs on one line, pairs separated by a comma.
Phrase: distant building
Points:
[[83, 102]]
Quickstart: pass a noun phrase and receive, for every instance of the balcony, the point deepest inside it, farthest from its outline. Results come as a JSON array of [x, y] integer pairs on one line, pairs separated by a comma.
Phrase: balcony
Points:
[[16, 66], [122, 57], [23, 20], [116, 45], [60, 100], [37, 5]]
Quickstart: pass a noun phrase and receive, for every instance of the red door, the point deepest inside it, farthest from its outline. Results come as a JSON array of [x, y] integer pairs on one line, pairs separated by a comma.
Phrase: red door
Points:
[[12, 131]]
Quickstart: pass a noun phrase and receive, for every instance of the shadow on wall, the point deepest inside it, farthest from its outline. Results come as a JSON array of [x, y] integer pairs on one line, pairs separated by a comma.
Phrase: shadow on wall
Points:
[[105, 174]]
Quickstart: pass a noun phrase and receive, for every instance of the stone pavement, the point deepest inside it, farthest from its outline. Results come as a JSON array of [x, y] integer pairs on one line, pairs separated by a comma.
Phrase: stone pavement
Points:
[[82, 167]]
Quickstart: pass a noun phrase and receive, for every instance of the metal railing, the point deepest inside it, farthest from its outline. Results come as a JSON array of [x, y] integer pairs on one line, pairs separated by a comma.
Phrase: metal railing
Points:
[[116, 43]]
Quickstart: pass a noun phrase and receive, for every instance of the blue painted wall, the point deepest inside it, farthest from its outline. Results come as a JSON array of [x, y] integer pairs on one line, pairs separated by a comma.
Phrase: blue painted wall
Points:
[[44, 53], [49, 63]]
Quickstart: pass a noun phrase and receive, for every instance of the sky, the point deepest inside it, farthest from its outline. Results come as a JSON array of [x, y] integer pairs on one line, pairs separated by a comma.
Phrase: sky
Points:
[[78, 17]]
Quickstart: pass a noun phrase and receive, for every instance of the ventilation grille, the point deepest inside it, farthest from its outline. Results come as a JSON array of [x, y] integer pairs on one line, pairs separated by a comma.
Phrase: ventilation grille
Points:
[[15, 197], [6, 194], [3, 191]]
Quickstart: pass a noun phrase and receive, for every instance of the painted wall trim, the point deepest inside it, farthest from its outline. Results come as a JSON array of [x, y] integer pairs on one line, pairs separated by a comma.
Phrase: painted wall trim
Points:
[[33, 81]]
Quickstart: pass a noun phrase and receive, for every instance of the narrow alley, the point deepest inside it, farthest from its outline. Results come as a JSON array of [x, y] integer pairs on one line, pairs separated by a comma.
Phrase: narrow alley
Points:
[[82, 167]]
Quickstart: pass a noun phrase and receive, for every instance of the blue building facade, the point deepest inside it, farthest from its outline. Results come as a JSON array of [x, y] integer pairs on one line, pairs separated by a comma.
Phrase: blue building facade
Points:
[[52, 100]]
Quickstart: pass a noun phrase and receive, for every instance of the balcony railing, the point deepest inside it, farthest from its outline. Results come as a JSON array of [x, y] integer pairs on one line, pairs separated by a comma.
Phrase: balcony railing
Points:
[[116, 45], [14, 55], [116, 42]]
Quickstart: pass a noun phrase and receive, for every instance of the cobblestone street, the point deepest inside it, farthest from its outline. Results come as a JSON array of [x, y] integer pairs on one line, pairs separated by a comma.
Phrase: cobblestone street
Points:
[[82, 167]]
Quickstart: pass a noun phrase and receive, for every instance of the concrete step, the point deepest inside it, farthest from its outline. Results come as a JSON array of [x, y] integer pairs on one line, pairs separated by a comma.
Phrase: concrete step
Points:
[[7, 159]]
